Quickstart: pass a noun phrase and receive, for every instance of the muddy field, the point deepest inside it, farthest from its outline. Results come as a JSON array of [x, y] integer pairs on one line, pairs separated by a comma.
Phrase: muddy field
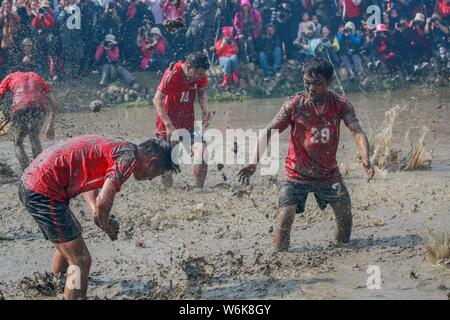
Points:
[[216, 244]]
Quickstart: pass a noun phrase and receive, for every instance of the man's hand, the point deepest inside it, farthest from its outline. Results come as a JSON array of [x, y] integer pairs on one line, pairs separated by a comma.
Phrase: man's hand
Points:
[[170, 130], [245, 173], [113, 228], [368, 167]]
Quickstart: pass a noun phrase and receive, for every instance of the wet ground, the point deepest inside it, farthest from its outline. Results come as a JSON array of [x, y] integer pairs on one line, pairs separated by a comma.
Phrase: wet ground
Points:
[[215, 244]]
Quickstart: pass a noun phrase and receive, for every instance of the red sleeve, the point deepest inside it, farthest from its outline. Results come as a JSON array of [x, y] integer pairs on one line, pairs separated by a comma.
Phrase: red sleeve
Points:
[[98, 53], [161, 47], [114, 54], [202, 83], [168, 82], [49, 21], [4, 86], [217, 46], [43, 84]]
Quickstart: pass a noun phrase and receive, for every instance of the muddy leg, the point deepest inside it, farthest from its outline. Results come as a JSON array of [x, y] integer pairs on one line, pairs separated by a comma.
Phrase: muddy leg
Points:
[[59, 264], [167, 180], [281, 236], [344, 218], [19, 149], [79, 259], [200, 168]]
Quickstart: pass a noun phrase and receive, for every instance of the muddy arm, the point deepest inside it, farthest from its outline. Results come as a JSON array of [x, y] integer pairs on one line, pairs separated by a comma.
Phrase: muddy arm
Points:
[[100, 204], [362, 144], [203, 101], [159, 106]]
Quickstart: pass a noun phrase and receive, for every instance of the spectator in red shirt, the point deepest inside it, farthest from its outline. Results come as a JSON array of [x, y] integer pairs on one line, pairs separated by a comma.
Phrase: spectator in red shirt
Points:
[[97, 167], [107, 55], [153, 49], [174, 103], [227, 51], [352, 11], [314, 117], [29, 107]]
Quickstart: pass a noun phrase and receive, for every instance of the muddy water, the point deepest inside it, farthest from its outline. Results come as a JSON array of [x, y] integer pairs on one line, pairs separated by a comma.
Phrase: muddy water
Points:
[[216, 244]]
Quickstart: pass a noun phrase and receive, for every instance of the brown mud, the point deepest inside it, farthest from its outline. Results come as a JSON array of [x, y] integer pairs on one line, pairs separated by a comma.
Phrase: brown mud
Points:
[[186, 244]]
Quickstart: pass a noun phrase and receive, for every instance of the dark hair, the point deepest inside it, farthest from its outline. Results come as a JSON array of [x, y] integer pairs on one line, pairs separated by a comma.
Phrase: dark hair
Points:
[[318, 66], [198, 60], [162, 150]]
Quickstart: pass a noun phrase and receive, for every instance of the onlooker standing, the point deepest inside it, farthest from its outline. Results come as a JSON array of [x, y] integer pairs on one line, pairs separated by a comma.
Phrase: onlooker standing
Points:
[[248, 26]]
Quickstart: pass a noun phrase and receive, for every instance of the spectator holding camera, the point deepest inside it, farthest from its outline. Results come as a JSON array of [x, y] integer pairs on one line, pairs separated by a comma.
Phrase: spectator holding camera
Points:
[[419, 44], [384, 47], [153, 50], [439, 35], [227, 50], [350, 42], [107, 56], [248, 25]]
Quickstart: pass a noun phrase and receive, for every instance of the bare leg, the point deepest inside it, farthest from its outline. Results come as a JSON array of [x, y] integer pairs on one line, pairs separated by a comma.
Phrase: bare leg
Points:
[[167, 180], [344, 220], [78, 257], [20, 151], [35, 142], [200, 168], [59, 264], [281, 236]]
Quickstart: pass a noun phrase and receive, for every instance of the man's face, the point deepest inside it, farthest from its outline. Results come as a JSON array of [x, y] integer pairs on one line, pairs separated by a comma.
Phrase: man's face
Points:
[[315, 86], [195, 74], [147, 169], [325, 32]]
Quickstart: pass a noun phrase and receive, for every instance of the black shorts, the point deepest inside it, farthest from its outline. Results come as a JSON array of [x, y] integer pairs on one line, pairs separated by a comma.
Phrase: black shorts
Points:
[[296, 192], [54, 218]]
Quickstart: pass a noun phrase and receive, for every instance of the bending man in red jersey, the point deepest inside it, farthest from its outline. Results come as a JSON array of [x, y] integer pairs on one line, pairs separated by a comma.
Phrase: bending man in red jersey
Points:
[[97, 167], [174, 102], [29, 106], [314, 118]]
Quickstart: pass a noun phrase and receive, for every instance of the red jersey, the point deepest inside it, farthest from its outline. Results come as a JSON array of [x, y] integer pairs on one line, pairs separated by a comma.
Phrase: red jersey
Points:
[[314, 138], [352, 10], [180, 98], [28, 89], [78, 165]]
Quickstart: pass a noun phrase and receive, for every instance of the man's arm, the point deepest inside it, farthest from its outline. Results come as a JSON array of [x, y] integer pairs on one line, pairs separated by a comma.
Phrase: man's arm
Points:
[[203, 101], [100, 204], [361, 140], [50, 132], [161, 111], [280, 122]]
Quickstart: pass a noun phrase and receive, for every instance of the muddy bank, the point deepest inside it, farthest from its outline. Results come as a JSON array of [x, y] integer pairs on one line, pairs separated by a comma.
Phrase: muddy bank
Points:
[[185, 244]]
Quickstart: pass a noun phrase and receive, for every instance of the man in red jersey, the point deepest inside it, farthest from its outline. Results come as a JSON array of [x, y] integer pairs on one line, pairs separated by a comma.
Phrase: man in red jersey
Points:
[[174, 102], [314, 117], [29, 107], [97, 167]]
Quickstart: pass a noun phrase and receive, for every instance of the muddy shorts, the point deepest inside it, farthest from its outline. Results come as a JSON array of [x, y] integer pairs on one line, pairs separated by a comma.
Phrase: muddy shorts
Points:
[[296, 192], [54, 218], [27, 121]]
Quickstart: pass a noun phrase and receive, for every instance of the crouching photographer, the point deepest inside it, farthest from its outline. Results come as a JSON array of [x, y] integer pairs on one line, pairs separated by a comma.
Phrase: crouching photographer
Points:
[[107, 56]]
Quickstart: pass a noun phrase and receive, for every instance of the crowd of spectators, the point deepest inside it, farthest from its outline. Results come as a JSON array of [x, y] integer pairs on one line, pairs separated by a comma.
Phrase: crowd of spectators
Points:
[[68, 39]]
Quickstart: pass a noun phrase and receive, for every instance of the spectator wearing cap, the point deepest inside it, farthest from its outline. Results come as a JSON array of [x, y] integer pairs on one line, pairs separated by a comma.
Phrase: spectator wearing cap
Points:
[[107, 56], [419, 44], [153, 50], [269, 52], [439, 35], [248, 25], [350, 41], [227, 50], [384, 47]]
